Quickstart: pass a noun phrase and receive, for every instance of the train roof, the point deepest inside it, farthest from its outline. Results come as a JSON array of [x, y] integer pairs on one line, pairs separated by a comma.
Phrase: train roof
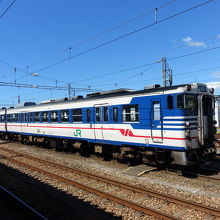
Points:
[[109, 94]]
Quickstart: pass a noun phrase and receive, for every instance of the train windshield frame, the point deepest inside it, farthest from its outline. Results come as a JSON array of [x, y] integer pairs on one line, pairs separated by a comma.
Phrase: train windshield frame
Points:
[[187, 101]]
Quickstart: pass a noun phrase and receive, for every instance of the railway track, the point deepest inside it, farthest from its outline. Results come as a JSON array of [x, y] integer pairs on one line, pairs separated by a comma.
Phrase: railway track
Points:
[[133, 196], [196, 174]]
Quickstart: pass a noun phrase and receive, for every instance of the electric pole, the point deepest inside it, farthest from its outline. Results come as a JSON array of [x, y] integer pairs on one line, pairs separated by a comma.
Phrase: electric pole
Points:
[[167, 73], [69, 90]]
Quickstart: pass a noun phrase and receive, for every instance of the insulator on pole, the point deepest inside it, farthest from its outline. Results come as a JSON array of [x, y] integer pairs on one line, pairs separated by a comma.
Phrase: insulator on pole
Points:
[[15, 70], [155, 15]]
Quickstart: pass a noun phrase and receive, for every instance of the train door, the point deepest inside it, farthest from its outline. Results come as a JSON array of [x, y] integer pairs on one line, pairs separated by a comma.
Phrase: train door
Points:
[[101, 111], [5, 120], [156, 122], [24, 121], [205, 119]]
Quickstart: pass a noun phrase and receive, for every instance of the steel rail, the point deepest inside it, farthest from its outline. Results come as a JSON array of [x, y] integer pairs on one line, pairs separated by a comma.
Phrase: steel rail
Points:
[[163, 196], [196, 174], [23, 203], [122, 201]]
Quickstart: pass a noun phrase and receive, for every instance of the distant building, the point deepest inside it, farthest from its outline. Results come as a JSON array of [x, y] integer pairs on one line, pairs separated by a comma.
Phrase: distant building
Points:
[[217, 110]]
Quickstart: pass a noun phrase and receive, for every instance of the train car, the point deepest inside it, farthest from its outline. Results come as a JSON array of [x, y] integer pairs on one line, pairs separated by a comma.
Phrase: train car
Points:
[[171, 125]]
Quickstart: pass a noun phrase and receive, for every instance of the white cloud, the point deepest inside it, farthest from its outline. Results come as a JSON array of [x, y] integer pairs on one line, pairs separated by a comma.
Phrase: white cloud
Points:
[[187, 39], [191, 43], [218, 36], [215, 85], [215, 74]]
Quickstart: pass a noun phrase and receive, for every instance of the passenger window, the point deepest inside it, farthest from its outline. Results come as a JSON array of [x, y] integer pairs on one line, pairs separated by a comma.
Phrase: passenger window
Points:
[[77, 115], [97, 114], [8, 118], [65, 116], [3, 118], [13, 118], [31, 117], [105, 112], [44, 116], [156, 111], [130, 113], [170, 102], [26, 117], [17, 118], [54, 116], [36, 116], [88, 115], [180, 101], [115, 114]]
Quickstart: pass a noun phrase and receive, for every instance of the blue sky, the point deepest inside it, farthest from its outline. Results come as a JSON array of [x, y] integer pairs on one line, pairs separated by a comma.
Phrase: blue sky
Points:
[[36, 34]]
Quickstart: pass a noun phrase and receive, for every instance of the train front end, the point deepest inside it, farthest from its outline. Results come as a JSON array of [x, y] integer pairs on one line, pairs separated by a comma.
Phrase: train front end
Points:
[[198, 105]]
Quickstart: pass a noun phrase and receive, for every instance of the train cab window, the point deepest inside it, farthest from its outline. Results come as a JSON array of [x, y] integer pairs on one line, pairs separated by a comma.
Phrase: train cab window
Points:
[[190, 101], [88, 115], [44, 116], [187, 101], [180, 101], [130, 113], [65, 116], [105, 114], [170, 102], [115, 114], [54, 116], [97, 114], [37, 117], [77, 115]]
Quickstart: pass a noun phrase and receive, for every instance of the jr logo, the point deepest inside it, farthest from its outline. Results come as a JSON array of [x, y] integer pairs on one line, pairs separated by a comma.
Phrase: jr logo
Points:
[[77, 133]]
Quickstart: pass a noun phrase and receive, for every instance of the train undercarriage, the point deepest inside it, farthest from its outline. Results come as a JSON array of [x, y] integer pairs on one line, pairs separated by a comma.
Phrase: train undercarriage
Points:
[[132, 155]]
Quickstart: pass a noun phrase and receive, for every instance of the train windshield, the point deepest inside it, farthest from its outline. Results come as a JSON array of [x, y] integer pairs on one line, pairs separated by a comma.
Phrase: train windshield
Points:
[[187, 101], [190, 101]]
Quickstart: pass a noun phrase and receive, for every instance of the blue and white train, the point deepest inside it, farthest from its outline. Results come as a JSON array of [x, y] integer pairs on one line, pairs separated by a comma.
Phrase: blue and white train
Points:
[[161, 124]]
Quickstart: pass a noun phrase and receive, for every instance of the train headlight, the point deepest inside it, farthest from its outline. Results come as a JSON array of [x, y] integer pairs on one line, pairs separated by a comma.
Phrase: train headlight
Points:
[[187, 123]]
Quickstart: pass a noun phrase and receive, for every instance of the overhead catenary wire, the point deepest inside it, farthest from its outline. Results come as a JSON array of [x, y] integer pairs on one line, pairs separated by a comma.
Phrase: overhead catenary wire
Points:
[[150, 64], [144, 72], [102, 33], [121, 37], [181, 55], [4, 12], [87, 40], [23, 85]]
